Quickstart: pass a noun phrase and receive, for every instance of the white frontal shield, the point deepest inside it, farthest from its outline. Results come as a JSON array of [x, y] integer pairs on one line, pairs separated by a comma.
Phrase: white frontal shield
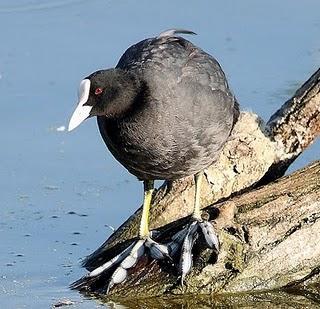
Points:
[[82, 112]]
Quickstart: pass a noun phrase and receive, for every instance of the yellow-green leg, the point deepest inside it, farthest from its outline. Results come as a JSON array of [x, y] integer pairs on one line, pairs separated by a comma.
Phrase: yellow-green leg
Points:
[[196, 207], [144, 223]]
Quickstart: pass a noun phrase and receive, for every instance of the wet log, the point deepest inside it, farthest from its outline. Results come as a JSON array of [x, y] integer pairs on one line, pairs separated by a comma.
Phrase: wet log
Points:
[[267, 226]]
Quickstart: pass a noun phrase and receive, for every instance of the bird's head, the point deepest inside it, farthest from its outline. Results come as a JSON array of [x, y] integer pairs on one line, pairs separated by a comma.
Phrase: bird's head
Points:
[[104, 93]]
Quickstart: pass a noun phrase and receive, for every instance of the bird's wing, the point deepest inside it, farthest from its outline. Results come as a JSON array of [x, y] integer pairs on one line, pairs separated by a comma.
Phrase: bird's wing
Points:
[[153, 49], [173, 63]]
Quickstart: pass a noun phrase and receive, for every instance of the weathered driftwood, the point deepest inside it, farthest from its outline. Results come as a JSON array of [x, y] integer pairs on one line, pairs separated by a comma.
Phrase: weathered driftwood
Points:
[[268, 235]]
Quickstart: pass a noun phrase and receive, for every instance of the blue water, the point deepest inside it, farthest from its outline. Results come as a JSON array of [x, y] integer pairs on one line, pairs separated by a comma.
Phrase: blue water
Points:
[[61, 192]]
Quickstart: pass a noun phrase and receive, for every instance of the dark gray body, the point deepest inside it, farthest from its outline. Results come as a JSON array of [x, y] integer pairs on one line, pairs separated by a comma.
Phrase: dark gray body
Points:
[[185, 115]]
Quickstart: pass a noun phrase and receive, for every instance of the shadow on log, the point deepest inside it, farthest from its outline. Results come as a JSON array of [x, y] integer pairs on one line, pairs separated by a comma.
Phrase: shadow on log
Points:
[[268, 226]]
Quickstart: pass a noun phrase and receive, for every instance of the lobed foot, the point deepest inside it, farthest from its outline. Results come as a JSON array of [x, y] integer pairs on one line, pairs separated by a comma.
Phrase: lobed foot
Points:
[[125, 260], [185, 239]]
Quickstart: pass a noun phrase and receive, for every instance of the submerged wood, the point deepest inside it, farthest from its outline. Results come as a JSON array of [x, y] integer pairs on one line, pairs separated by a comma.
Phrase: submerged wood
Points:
[[268, 234]]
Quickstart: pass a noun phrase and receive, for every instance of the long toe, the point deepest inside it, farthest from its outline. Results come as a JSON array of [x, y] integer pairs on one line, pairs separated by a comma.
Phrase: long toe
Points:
[[119, 266], [89, 280], [185, 262], [210, 235], [183, 242]]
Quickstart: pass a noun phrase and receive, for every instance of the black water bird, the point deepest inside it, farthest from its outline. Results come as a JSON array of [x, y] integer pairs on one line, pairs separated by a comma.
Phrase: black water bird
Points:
[[165, 112]]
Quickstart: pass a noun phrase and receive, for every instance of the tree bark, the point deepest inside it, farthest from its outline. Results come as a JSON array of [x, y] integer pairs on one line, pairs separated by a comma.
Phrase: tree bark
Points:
[[269, 234]]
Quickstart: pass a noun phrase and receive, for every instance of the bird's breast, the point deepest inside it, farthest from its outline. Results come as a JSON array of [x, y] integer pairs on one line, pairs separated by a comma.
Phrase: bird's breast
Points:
[[160, 145]]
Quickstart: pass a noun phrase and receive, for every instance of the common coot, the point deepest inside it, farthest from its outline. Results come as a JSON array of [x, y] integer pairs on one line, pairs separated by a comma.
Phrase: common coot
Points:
[[164, 112]]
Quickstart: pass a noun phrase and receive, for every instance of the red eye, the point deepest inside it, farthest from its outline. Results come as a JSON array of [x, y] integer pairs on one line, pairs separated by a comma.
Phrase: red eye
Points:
[[98, 91]]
